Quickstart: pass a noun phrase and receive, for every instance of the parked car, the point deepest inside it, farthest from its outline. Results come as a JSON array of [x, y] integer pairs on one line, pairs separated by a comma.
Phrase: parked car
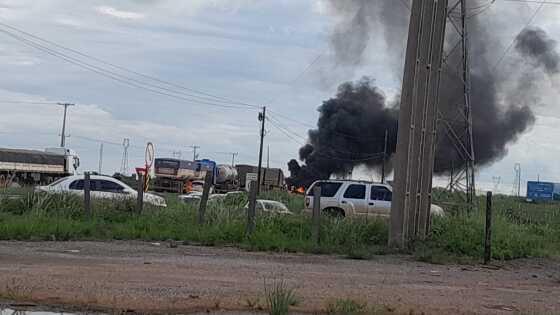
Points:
[[102, 187], [355, 198], [270, 206], [191, 197], [196, 196]]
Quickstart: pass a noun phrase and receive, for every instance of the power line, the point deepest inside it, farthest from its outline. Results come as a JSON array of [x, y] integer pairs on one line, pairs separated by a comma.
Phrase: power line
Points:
[[28, 102], [529, 22], [288, 134], [216, 98], [119, 77]]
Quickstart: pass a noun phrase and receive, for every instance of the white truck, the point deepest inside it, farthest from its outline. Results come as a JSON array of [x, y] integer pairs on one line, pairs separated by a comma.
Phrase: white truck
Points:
[[33, 167]]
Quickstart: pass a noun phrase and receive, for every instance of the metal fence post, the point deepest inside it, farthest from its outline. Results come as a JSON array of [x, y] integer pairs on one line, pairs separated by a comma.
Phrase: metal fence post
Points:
[[204, 200], [488, 236], [140, 200], [251, 211], [316, 219], [87, 195]]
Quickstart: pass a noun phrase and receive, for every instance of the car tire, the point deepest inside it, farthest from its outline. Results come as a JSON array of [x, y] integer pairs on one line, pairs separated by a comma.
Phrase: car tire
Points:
[[334, 212]]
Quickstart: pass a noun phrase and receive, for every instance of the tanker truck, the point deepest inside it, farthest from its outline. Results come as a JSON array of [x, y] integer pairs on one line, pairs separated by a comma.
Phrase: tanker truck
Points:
[[226, 179]]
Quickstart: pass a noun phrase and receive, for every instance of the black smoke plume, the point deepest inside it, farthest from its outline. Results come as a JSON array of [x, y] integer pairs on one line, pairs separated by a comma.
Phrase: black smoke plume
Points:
[[351, 131], [534, 44], [351, 126]]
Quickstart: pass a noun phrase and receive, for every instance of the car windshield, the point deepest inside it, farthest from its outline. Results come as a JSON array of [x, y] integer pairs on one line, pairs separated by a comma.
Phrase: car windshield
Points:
[[328, 189], [58, 181]]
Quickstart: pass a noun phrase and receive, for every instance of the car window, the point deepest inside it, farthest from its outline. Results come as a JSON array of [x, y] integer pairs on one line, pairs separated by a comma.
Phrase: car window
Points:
[[328, 189], [77, 185], [355, 191], [58, 181], [381, 193], [108, 186]]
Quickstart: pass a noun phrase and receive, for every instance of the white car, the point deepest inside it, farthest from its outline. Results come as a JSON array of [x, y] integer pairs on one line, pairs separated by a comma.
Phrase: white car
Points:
[[101, 187], [348, 198], [196, 196], [270, 206]]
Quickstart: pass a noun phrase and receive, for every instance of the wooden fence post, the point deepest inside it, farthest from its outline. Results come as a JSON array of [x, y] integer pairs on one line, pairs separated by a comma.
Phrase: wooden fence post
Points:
[[204, 200], [251, 211], [316, 219], [488, 236], [87, 194], [140, 189]]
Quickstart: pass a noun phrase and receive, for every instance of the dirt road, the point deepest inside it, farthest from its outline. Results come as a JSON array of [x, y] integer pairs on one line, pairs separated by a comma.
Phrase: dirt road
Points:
[[156, 278]]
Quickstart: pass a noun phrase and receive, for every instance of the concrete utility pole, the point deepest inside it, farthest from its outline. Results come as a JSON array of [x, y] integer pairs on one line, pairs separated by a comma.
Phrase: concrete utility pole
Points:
[[63, 135], [414, 160], [384, 157], [101, 159], [233, 155], [268, 156], [195, 147], [262, 118]]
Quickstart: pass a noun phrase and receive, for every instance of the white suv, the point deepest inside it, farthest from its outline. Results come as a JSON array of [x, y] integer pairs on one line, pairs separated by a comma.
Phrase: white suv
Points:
[[355, 198]]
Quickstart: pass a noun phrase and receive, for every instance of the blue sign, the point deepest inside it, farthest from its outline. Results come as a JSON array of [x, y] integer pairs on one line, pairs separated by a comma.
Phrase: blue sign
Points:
[[542, 191]]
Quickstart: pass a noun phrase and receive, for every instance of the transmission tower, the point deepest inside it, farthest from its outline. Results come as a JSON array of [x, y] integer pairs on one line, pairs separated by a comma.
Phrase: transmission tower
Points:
[[497, 180], [457, 123], [517, 181], [124, 162]]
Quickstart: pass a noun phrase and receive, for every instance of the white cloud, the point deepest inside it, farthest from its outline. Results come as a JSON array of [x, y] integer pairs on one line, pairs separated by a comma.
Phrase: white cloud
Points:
[[127, 15]]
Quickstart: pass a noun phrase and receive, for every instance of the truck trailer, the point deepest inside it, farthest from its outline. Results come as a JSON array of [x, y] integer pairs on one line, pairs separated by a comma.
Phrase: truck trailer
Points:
[[35, 167], [271, 178]]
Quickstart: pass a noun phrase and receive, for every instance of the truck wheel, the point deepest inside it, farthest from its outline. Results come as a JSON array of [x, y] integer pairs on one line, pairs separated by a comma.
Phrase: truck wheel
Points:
[[334, 212]]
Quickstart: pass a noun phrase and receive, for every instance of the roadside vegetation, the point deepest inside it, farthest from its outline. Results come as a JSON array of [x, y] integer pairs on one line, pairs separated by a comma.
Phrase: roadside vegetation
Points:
[[35, 216], [520, 229]]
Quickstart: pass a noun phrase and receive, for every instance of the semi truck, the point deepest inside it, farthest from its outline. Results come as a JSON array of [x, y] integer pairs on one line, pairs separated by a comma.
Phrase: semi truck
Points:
[[35, 167], [226, 179], [179, 176]]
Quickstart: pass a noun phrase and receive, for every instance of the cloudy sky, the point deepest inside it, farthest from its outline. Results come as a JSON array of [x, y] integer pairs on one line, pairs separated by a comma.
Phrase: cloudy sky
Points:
[[222, 58]]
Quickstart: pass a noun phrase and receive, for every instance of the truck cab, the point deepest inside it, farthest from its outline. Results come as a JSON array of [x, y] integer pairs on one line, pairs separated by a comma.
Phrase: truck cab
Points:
[[72, 161]]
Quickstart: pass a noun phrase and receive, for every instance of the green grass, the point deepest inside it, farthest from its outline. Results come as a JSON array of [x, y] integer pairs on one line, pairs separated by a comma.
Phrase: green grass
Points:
[[520, 229], [61, 217], [279, 297], [352, 307]]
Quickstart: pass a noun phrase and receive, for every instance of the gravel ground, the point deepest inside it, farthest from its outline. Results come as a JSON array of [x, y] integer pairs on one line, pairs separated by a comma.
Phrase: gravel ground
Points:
[[151, 277]]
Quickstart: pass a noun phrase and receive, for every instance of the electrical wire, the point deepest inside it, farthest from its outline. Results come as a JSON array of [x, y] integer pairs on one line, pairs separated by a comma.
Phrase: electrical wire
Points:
[[529, 22], [118, 77], [290, 135], [27, 102], [214, 97]]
